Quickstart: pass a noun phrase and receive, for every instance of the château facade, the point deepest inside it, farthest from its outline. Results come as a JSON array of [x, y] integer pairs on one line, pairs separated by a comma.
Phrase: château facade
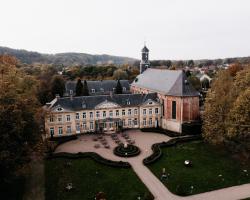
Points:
[[104, 113]]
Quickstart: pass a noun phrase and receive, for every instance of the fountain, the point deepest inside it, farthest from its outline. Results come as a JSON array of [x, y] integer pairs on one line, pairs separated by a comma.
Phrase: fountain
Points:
[[126, 150]]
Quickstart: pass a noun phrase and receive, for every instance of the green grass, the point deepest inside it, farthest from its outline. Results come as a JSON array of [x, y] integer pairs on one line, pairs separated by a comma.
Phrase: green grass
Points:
[[116, 183], [208, 163]]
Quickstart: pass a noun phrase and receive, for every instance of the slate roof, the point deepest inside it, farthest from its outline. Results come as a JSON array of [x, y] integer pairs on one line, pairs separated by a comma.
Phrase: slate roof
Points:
[[75, 103], [167, 82], [106, 85]]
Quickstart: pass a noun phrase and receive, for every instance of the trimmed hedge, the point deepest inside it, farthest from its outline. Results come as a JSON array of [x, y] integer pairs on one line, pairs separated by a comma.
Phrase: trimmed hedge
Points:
[[131, 151], [92, 155], [157, 153], [162, 131]]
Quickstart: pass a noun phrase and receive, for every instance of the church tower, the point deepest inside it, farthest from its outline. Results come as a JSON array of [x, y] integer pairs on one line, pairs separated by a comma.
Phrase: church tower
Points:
[[144, 60]]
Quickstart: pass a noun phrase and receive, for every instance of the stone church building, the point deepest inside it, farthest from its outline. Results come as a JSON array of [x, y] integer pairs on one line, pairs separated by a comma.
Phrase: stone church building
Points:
[[179, 100]]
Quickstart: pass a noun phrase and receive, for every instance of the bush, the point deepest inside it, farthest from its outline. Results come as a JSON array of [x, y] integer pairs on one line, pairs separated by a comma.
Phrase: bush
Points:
[[92, 155]]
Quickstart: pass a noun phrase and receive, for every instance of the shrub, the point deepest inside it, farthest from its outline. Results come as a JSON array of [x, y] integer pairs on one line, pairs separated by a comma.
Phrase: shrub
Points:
[[92, 155]]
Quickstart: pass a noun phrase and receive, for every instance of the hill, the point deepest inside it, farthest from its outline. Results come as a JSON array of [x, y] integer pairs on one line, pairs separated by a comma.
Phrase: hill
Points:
[[66, 59]]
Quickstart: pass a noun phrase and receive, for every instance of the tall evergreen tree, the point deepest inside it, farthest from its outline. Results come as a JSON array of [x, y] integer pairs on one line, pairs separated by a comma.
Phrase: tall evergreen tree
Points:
[[57, 86], [118, 89], [85, 89], [79, 88]]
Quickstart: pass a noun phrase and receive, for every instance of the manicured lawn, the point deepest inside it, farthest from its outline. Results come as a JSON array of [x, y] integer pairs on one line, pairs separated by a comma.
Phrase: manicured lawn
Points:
[[212, 168], [89, 178]]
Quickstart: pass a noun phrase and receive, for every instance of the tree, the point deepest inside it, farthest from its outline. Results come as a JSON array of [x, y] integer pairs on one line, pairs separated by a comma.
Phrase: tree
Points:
[[234, 68], [217, 105], [195, 82], [205, 83], [239, 123], [85, 89], [168, 63], [226, 117], [57, 86], [18, 124], [190, 63], [79, 88], [118, 89], [119, 74]]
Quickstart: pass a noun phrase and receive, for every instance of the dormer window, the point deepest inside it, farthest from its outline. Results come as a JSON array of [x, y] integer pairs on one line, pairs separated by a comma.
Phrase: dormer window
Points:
[[59, 109], [93, 90], [128, 102], [83, 104], [113, 89], [71, 92], [101, 89], [124, 89]]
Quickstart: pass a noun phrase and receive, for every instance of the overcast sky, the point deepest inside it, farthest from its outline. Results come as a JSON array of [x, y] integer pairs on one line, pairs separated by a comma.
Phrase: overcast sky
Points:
[[173, 29]]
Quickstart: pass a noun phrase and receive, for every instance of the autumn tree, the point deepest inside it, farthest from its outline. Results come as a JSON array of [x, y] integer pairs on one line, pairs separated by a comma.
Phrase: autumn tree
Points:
[[120, 74], [79, 88], [195, 82], [18, 124], [226, 116]]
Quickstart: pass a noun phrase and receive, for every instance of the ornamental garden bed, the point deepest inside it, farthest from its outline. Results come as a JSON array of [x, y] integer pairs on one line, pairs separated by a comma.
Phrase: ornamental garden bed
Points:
[[84, 178], [211, 168]]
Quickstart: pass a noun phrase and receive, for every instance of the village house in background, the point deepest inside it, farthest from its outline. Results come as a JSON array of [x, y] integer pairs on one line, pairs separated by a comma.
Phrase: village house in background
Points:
[[160, 98]]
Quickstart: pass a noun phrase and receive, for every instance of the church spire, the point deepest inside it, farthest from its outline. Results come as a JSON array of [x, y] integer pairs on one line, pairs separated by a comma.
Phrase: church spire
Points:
[[144, 64]]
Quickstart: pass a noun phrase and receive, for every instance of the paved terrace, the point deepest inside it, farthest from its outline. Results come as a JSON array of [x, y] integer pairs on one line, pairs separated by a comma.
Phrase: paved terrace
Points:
[[145, 141]]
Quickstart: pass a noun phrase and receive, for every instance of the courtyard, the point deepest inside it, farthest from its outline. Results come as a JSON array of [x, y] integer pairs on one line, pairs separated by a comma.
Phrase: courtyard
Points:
[[206, 168]]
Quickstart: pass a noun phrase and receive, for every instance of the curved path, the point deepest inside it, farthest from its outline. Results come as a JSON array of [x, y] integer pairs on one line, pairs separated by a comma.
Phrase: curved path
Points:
[[156, 187]]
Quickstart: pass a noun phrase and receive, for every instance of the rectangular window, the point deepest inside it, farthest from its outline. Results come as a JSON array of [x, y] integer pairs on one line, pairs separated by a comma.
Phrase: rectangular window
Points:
[[91, 126], [156, 110], [163, 108], [91, 115], [68, 129], [123, 122], [117, 112], [104, 125], [104, 114], [110, 124], [150, 111], [77, 116], [97, 114], [77, 126], [129, 112], [60, 131], [123, 112], [59, 118], [144, 122], [68, 118], [135, 111], [144, 112], [135, 122], [84, 126], [111, 113], [84, 115], [173, 109], [51, 131], [51, 118], [129, 122], [150, 122]]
